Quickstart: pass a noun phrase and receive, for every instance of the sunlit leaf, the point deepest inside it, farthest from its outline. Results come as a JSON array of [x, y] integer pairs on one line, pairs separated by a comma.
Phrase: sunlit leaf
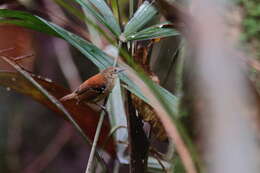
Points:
[[141, 17], [104, 14], [157, 31]]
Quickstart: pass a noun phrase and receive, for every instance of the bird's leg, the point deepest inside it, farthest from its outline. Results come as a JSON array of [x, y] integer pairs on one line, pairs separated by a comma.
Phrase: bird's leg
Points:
[[78, 100], [102, 107]]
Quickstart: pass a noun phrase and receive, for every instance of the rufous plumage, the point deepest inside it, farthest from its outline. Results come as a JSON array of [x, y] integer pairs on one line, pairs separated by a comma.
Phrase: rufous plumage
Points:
[[96, 88]]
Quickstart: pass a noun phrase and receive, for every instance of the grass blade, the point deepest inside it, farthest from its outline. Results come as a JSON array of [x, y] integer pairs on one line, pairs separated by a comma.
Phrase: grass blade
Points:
[[117, 117], [104, 14], [156, 31], [141, 17]]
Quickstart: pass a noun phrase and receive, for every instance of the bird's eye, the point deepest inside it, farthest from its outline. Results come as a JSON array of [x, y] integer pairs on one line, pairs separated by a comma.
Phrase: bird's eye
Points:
[[115, 70]]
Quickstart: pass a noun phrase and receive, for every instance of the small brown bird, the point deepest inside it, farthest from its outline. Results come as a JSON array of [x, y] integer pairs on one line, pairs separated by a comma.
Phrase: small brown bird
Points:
[[96, 87]]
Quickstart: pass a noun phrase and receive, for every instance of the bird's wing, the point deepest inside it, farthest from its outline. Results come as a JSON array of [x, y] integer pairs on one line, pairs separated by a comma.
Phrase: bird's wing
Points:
[[96, 83], [90, 93]]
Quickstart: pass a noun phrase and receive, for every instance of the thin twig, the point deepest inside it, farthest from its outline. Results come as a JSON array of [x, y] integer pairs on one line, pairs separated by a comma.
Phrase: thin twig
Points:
[[51, 99], [6, 50], [94, 145]]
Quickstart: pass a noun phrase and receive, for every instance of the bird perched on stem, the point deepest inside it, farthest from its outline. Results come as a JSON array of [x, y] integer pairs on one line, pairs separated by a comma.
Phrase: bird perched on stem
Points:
[[96, 88]]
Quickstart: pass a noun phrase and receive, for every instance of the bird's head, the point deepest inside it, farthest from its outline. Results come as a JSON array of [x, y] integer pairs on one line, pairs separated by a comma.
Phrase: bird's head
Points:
[[112, 72]]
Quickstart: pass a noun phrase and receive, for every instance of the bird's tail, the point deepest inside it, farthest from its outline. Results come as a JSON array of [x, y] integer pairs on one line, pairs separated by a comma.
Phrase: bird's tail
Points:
[[68, 97]]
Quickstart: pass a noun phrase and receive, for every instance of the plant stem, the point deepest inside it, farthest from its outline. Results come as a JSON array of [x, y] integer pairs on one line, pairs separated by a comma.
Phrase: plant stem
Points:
[[94, 145]]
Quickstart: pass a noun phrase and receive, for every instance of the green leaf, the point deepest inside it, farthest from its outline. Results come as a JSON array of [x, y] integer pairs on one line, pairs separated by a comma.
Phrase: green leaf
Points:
[[156, 31], [100, 59], [25, 20], [117, 117], [141, 17], [104, 14]]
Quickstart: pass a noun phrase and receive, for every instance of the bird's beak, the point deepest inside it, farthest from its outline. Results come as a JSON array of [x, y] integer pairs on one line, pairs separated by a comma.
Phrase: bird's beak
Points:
[[121, 70]]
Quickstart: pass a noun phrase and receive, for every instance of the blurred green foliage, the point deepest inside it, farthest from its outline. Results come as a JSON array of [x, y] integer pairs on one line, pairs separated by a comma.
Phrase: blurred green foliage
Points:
[[251, 32], [251, 22]]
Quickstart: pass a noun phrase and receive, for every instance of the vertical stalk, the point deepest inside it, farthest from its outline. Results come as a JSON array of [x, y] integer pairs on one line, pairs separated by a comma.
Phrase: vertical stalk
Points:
[[90, 165]]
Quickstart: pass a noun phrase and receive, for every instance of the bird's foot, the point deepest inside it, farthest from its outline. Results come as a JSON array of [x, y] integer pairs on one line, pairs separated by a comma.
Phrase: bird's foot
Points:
[[102, 107]]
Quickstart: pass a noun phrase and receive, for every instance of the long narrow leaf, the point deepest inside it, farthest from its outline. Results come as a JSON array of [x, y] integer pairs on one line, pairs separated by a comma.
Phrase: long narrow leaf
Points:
[[107, 13], [141, 17], [25, 20], [117, 118], [157, 31], [104, 14]]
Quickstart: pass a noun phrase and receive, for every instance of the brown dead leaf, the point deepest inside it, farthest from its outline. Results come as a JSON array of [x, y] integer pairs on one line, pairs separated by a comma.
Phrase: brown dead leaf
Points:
[[86, 117]]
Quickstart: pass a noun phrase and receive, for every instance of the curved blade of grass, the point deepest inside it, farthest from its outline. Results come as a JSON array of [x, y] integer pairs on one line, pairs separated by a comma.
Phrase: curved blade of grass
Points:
[[156, 31], [104, 14], [117, 118], [141, 17]]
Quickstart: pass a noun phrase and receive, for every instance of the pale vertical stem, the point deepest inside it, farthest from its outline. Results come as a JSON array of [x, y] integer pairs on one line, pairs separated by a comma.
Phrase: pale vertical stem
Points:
[[94, 145]]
